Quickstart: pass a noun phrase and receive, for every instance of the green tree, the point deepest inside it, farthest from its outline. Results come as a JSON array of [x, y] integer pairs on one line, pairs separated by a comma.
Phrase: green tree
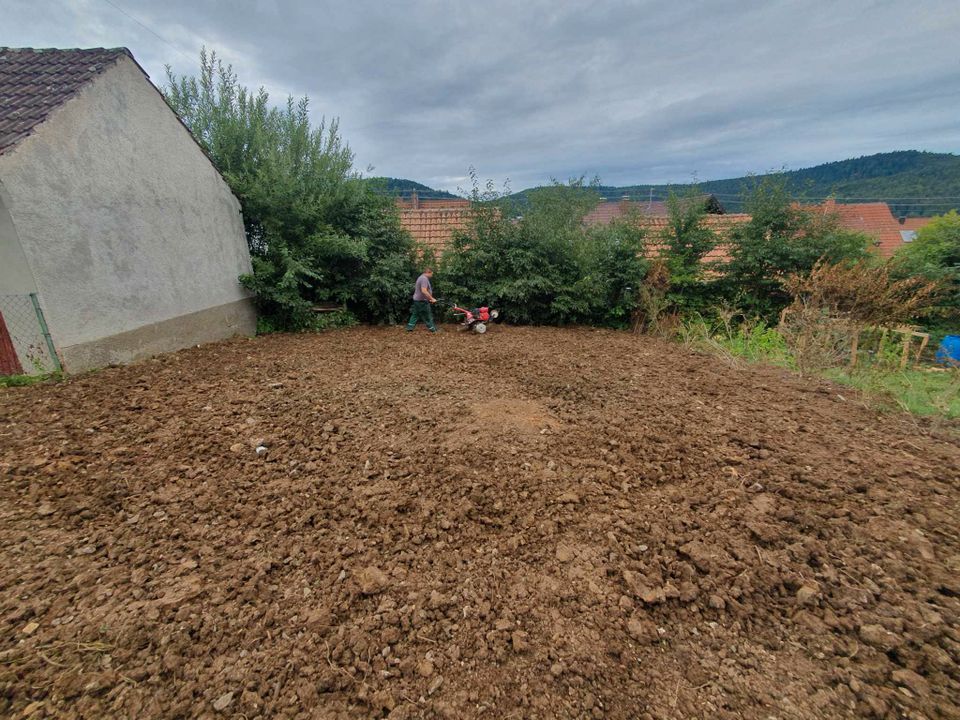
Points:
[[780, 239], [546, 267], [935, 254], [684, 244], [610, 268], [316, 231]]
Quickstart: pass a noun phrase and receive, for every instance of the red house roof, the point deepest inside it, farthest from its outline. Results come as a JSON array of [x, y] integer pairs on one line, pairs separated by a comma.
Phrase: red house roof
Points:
[[873, 219], [914, 223], [414, 202], [720, 224], [433, 227], [608, 211]]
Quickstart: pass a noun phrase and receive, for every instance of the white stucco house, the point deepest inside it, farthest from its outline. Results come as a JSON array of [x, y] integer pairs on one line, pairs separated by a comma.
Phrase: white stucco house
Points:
[[113, 220]]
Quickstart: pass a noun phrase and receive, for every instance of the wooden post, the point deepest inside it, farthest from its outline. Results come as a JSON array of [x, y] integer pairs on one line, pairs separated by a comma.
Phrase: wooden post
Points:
[[853, 348], [924, 339], [906, 350]]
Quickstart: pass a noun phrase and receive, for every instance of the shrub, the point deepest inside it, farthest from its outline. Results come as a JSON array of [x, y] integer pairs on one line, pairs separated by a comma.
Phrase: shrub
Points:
[[546, 267], [832, 304], [684, 243], [781, 239], [316, 232], [866, 293], [935, 255], [653, 300]]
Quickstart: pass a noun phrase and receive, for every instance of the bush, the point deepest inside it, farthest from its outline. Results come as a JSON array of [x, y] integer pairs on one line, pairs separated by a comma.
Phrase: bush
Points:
[[866, 293], [653, 300], [781, 239], [935, 255], [546, 267], [316, 232], [832, 305], [684, 243]]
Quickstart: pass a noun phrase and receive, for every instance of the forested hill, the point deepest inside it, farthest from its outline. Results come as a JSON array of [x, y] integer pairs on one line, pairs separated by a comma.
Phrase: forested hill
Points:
[[912, 182], [404, 188]]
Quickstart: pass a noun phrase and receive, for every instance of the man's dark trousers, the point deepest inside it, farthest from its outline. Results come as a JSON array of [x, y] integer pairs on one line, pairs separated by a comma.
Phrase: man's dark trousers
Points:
[[421, 312]]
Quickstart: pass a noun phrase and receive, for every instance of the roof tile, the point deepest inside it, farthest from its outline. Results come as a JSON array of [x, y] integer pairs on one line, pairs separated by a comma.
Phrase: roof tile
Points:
[[434, 227], [605, 212], [873, 219], [33, 83]]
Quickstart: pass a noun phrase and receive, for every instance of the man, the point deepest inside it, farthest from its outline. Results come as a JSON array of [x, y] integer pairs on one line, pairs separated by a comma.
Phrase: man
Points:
[[422, 300]]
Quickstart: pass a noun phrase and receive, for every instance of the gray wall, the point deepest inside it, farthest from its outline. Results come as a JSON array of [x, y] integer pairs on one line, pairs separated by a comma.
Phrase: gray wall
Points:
[[126, 226], [15, 275]]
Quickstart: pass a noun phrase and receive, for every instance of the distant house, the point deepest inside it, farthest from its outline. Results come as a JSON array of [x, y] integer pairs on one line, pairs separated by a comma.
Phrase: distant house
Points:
[[113, 221], [721, 225], [873, 219], [609, 210], [415, 202], [432, 223], [909, 227]]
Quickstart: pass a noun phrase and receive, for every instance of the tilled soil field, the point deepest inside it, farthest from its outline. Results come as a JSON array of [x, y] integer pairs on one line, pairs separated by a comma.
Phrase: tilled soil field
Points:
[[529, 524]]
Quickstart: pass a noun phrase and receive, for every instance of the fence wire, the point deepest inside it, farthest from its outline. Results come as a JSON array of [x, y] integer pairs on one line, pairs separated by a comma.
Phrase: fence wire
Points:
[[25, 345]]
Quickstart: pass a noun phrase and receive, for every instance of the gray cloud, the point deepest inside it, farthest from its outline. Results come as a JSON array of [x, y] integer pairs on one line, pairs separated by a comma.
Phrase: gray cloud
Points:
[[630, 91]]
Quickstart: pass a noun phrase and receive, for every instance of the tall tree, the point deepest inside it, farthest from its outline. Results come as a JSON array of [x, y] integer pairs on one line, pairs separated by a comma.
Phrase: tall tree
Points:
[[315, 230], [780, 239], [935, 255]]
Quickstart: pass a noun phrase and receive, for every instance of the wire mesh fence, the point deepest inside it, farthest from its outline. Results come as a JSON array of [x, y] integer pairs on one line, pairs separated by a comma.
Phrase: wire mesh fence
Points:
[[25, 343]]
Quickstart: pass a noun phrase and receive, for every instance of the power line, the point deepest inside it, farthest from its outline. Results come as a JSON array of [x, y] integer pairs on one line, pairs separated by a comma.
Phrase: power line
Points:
[[641, 196], [942, 200], [149, 30], [866, 199], [730, 199]]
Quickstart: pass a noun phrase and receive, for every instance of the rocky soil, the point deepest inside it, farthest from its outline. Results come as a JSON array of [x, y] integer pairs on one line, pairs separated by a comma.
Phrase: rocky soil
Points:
[[533, 523]]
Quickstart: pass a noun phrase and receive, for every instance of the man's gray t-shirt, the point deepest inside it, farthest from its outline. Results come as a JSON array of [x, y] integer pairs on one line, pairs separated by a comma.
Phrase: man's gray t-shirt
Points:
[[423, 283]]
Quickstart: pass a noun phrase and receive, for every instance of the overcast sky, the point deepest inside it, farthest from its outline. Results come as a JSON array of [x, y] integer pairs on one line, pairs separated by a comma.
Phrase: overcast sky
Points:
[[634, 92]]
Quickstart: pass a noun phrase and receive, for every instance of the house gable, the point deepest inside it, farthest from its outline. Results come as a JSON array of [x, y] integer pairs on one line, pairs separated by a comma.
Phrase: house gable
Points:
[[35, 82], [125, 222]]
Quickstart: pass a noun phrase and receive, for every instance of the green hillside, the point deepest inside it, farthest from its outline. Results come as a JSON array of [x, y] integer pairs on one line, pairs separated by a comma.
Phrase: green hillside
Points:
[[400, 187], [912, 182]]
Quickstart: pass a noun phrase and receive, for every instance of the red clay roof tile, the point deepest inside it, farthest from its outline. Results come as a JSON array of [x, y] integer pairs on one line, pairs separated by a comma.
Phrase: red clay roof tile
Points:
[[434, 227], [873, 219]]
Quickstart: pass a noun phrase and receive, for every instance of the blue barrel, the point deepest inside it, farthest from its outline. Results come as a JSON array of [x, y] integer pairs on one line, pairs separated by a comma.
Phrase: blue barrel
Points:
[[949, 351]]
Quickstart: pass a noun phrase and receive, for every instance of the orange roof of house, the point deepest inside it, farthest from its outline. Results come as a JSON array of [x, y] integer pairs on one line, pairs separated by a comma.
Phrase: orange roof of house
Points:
[[433, 228], [914, 223], [873, 219], [416, 203], [720, 224], [608, 211]]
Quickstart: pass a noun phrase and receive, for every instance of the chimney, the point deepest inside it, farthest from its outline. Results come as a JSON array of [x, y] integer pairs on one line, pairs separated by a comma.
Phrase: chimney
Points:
[[414, 200], [902, 219], [625, 204]]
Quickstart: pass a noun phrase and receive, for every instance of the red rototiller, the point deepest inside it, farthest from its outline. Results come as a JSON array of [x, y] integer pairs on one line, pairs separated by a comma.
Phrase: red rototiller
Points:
[[474, 320]]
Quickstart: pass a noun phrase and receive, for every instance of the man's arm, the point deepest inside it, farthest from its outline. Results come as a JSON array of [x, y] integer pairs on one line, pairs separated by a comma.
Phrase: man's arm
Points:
[[427, 293]]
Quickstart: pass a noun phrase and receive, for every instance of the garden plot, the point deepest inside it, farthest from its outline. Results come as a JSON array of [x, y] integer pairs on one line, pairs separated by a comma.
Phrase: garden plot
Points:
[[532, 523]]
